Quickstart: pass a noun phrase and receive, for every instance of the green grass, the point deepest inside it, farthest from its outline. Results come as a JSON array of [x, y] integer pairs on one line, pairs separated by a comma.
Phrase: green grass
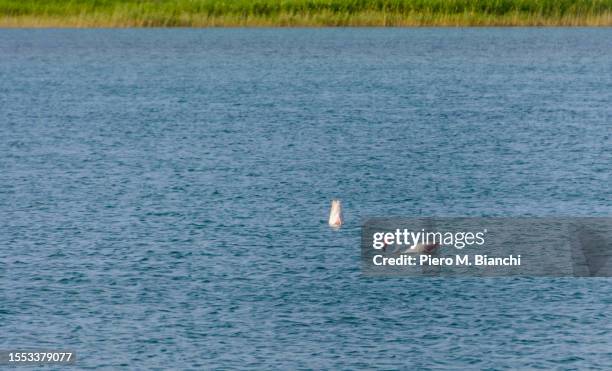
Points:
[[206, 13]]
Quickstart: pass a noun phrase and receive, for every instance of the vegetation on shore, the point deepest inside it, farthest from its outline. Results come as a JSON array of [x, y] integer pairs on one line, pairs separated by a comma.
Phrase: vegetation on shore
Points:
[[226, 13]]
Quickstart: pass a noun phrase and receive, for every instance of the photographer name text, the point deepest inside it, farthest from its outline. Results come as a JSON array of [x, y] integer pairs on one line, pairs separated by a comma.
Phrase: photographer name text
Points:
[[457, 260]]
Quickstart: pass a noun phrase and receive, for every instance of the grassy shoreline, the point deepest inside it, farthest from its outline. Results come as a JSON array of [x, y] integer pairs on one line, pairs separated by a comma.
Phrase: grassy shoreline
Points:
[[303, 13]]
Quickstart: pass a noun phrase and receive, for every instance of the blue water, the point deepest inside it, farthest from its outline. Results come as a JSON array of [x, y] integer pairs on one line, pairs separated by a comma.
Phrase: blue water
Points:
[[164, 193]]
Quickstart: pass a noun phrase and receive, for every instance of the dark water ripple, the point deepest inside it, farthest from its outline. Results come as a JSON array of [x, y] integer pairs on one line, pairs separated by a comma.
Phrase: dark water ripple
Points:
[[163, 193]]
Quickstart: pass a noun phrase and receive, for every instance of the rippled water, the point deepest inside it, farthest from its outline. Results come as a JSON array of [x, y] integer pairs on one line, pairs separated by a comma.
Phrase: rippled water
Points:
[[164, 193]]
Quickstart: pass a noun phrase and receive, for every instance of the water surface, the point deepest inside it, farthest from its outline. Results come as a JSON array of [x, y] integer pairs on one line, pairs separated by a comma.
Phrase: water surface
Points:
[[163, 193]]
